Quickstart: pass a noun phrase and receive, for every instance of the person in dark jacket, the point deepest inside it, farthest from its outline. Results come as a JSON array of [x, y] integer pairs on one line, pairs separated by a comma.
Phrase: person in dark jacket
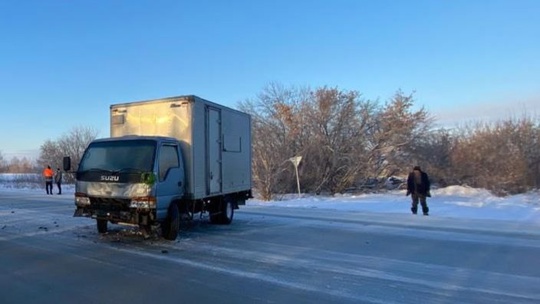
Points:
[[418, 186], [58, 180]]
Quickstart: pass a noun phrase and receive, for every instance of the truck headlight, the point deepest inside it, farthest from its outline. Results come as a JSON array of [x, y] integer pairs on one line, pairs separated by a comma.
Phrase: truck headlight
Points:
[[143, 202], [82, 201]]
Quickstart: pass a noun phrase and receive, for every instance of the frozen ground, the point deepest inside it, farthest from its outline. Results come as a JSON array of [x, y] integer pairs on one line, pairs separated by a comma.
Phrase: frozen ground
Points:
[[453, 201], [474, 248], [450, 202]]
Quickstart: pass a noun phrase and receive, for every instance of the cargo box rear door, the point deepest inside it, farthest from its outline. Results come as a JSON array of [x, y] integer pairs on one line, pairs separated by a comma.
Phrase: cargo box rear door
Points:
[[213, 150]]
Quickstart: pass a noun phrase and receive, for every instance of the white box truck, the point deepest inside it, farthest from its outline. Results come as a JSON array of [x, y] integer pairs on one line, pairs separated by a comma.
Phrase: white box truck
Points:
[[166, 160]]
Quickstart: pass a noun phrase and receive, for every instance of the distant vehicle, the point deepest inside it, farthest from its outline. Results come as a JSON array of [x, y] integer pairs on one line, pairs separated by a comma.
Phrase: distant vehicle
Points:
[[166, 160]]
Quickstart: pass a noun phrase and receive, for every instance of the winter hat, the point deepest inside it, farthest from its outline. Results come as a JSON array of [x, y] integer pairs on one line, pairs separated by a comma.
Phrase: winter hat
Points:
[[417, 168]]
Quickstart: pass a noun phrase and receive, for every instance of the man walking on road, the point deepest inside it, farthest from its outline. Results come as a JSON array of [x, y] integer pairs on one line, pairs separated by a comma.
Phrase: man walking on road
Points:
[[418, 186], [48, 174], [58, 180]]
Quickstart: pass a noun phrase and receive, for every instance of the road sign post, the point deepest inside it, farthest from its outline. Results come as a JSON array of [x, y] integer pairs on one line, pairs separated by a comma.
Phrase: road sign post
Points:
[[296, 161]]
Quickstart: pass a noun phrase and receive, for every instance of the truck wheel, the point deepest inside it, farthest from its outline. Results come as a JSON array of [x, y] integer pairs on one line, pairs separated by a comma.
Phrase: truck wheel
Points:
[[227, 212], [215, 217], [171, 226], [101, 226]]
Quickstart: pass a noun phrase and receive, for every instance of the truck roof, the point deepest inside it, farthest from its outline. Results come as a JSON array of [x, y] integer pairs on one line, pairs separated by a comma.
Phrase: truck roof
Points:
[[188, 98], [181, 98], [137, 137]]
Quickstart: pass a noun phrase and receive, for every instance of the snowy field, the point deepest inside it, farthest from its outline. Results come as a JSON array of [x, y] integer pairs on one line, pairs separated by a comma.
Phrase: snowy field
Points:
[[453, 201], [449, 202]]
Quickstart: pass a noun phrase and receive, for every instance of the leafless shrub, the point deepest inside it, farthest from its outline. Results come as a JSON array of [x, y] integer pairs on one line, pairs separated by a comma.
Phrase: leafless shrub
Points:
[[502, 156], [342, 138], [351, 144], [71, 144], [275, 127], [335, 126], [3, 163], [391, 141]]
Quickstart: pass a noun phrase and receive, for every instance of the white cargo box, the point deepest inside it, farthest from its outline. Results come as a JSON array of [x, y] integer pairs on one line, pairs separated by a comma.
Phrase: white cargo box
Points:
[[215, 140]]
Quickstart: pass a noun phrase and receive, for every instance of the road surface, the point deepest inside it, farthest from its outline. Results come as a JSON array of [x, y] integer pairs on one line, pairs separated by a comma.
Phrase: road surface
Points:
[[267, 255]]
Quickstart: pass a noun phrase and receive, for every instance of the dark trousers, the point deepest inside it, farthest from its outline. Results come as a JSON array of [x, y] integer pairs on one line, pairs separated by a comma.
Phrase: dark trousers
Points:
[[48, 187], [59, 185], [419, 198]]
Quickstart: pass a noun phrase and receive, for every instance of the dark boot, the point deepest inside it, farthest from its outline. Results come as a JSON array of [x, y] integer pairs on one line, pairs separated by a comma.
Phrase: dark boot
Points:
[[414, 210]]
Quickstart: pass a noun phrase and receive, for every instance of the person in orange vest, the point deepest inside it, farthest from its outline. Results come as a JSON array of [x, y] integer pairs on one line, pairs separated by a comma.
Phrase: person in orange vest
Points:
[[48, 174]]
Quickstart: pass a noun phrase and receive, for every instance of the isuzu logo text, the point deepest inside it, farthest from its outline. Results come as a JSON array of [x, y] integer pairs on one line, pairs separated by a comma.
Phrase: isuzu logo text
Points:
[[110, 178]]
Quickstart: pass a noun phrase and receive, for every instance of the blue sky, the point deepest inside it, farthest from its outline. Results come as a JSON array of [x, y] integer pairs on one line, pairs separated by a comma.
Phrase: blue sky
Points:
[[63, 63]]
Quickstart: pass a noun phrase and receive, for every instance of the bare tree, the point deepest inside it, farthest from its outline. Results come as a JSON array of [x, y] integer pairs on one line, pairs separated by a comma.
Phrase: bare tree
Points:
[[20, 165], [346, 142], [71, 144], [333, 122], [326, 127], [3, 164], [75, 142], [50, 154], [502, 156], [390, 139], [434, 152], [275, 132]]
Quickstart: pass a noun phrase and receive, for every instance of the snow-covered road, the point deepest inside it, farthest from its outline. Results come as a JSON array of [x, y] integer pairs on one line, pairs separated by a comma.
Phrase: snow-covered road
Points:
[[268, 255]]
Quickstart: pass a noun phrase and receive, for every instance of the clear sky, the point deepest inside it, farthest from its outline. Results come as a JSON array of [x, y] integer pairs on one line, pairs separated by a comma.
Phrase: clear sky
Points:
[[63, 63]]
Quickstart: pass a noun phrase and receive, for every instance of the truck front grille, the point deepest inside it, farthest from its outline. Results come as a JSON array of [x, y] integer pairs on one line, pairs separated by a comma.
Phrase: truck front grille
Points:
[[109, 204]]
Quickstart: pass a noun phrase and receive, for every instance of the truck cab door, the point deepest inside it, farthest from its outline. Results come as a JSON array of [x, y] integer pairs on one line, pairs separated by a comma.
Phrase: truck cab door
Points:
[[170, 179]]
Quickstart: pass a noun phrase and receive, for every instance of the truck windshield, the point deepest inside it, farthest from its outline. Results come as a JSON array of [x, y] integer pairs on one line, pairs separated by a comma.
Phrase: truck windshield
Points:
[[119, 156]]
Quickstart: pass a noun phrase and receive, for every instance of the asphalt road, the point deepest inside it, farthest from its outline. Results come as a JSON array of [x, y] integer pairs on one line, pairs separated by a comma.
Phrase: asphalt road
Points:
[[267, 255]]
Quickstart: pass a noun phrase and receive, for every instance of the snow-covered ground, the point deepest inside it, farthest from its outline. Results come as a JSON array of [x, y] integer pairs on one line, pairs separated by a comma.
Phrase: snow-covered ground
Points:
[[451, 202]]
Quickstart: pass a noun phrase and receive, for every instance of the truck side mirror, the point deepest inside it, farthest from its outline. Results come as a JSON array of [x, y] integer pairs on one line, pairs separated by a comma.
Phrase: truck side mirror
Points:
[[67, 163]]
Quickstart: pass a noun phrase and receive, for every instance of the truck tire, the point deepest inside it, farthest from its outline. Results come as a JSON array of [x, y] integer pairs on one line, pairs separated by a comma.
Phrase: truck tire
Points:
[[227, 212], [101, 226], [214, 217], [171, 226]]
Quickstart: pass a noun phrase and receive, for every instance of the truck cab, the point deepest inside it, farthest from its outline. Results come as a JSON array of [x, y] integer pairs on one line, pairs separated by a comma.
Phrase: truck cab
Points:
[[131, 179]]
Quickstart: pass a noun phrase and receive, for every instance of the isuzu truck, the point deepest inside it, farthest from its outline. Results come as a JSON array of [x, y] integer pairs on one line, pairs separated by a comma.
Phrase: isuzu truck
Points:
[[165, 161]]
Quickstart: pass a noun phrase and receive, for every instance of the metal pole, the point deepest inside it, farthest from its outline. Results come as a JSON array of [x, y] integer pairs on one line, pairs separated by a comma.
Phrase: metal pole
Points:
[[297, 181], [296, 161]]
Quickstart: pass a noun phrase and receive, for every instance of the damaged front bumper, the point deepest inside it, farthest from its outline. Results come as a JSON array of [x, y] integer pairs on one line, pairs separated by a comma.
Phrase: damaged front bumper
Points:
[[137, 211]]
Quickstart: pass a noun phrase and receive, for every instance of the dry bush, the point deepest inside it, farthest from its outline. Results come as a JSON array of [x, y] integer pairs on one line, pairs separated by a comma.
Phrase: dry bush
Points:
[[71, 144], [347, 143], [502, 156], [392, 143], [344, 140], [276, 134]]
